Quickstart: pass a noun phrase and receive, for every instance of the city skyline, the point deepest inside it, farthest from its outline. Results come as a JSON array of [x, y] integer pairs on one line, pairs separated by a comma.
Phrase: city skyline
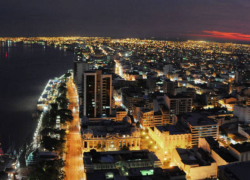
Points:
[[202, 20], [134, 90]]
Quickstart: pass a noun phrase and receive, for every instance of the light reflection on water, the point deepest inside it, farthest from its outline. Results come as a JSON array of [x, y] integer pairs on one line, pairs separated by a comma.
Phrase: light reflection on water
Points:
[[24, 72]]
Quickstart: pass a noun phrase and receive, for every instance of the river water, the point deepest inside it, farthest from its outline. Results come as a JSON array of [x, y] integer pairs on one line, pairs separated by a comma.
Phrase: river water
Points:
[[24, 72]]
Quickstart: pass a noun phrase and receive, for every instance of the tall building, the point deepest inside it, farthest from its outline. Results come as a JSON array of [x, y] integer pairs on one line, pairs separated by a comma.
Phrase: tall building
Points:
[[238, 77], [168, 68], [79, 67], [178, 104], [169, 86], [246, 77], [97, 94]]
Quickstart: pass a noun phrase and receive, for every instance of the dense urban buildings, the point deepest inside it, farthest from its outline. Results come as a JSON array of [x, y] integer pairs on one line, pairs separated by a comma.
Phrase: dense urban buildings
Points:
[[160, 109]]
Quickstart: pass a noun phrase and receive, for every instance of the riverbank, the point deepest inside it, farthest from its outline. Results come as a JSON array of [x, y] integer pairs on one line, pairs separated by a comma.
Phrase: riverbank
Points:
[[49, 137], [24, 71]]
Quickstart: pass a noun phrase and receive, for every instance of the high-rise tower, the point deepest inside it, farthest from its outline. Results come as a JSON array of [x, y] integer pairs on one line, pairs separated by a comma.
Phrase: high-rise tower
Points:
[[97, 94]]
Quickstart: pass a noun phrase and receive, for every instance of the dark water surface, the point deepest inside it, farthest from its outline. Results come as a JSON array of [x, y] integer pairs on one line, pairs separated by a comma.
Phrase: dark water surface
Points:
[[24, 72]]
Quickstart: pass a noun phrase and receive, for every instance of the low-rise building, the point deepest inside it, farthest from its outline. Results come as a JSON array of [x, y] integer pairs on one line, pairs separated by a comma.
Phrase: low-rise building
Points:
[[170, 137], [136, 110], [120, 114], [239, 171], [196, 164], [220, 154], [147, 117], [131, 96], [110, 136], [120, 163], [240, 151], [244, 131], [158, 118]]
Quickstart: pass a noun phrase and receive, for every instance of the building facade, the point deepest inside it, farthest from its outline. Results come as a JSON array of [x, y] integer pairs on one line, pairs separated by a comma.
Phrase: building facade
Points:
[[110, 136], [79, 68], [147, 118], [242, 112], [169, 137], [97, 94], [200, 126], [178, 104]]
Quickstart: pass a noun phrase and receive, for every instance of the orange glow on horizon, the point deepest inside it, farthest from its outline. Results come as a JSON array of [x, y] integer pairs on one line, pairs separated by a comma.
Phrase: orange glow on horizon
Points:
[[224, 35]]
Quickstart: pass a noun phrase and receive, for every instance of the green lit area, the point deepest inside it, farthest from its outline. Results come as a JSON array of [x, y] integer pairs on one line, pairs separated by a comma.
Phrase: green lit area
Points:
[[147, 172]]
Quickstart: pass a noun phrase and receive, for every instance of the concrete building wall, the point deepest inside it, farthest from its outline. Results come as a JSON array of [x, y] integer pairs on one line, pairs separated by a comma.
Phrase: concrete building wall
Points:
[[242, 112], [218, 159], [244, 156], [203, 172]]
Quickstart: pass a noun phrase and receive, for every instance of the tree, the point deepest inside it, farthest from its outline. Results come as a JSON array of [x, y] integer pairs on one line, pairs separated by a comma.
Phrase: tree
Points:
[[62, 112], [62, 89], [49, 170], [54, 106], [46, 131], [67, 74], [63, 84], [63, 102], [60, 99], [53, 144], [48, 120]]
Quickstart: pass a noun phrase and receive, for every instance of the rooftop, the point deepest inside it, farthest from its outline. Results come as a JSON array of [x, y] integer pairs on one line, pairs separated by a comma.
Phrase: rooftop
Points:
[[115, 156], [191, 157], [245, 147], [104, 127], [172, 129], [239, 171], [224, 154], [198, 119], [211, 141]]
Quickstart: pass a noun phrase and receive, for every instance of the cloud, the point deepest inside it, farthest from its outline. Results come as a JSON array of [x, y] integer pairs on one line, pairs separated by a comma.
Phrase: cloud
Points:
[[224, 35]]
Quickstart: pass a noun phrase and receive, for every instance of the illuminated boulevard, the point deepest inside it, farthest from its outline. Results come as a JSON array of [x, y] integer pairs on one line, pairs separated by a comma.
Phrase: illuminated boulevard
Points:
[[74, 164]]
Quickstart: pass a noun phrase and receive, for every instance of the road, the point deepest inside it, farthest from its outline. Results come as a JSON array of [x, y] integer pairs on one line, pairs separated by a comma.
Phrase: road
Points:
[[74, 161]]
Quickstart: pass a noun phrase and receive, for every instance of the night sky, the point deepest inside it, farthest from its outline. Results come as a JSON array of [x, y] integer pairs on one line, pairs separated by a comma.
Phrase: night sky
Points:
[[197, 19]]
